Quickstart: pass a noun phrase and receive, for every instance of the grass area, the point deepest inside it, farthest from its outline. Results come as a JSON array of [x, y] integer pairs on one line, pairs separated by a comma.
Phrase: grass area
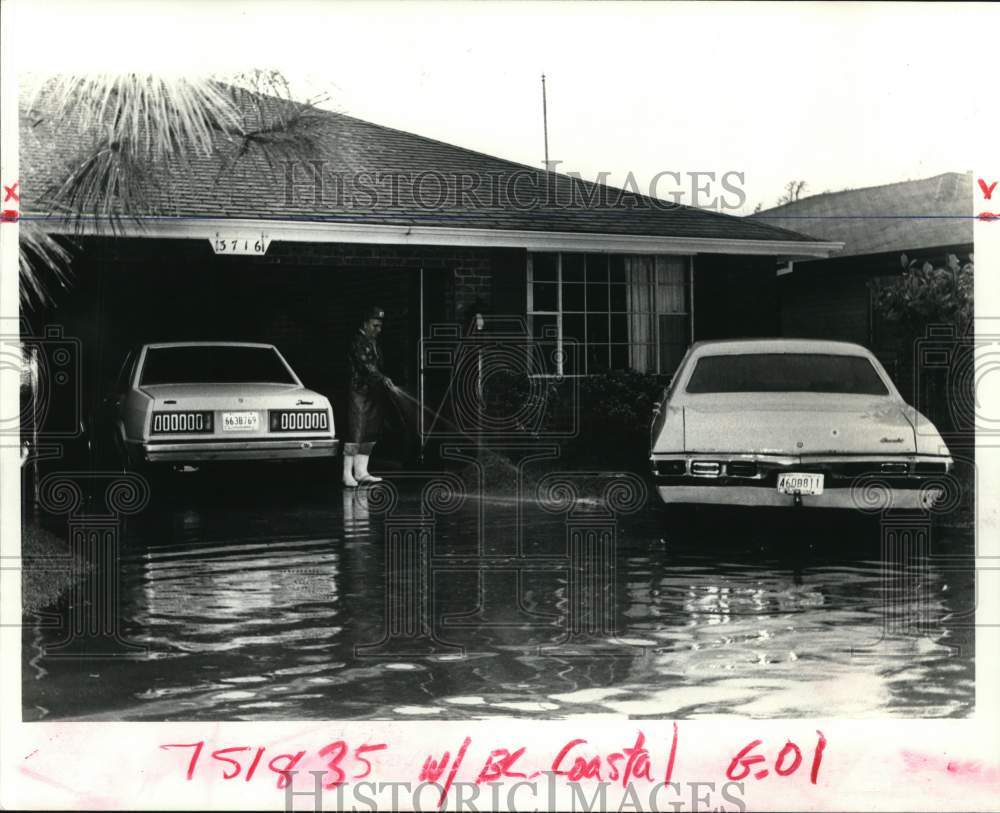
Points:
[[46, 568]]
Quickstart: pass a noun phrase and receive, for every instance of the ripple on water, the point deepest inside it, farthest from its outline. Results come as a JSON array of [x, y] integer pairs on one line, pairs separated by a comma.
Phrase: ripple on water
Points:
[[706, 630], [589, 695], [526, 705], [235, 695], [417, 711]]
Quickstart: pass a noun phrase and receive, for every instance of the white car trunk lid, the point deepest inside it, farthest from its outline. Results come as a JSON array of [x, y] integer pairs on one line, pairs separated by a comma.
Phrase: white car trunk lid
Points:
[[765, 424], [231, 396]]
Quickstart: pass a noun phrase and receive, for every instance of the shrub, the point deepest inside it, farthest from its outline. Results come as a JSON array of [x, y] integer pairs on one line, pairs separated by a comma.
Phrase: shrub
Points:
[[612, 410], [925, 295]]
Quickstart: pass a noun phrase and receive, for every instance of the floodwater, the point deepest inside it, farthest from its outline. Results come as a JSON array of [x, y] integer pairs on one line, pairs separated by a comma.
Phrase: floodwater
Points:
[[297, 601]]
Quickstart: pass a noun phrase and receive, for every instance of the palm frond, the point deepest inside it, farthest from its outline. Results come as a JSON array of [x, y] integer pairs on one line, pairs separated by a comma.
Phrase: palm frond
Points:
[[110, 184], [42, 260], [160, 116], [273, 123], [139, 128]]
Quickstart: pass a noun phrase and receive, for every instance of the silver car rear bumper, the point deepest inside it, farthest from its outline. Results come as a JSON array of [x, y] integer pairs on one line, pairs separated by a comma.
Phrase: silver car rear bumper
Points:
[[264, 449]]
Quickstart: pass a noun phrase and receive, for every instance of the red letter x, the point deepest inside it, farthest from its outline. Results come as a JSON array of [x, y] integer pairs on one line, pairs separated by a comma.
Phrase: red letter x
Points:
[[11, 192]]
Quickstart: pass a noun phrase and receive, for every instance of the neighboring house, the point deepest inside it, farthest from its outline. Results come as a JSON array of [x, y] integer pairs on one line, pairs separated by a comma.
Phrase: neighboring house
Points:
[[427, 230], [831, 298]]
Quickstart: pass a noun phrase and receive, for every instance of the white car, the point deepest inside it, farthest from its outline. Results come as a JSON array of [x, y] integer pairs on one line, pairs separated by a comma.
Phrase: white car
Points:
[[193, 402], [788, 422]]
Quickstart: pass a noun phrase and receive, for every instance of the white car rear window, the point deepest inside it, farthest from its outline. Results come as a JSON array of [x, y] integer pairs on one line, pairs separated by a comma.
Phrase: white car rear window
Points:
[[214, 365], [786, 372]]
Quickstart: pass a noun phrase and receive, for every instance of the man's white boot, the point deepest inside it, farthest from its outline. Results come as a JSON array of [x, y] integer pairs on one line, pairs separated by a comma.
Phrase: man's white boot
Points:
[[361, 470], [349, 464]]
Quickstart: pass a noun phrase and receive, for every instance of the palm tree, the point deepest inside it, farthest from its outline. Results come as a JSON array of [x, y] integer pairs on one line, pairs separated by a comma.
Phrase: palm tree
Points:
[[135, 128]]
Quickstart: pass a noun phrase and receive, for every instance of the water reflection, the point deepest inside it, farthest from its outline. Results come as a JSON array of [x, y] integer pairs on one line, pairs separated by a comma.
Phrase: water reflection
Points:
[[284, 608]]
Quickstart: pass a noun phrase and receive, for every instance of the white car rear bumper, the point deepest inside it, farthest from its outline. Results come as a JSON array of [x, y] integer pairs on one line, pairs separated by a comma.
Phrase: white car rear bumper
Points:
[[760, 496], [264, 449]]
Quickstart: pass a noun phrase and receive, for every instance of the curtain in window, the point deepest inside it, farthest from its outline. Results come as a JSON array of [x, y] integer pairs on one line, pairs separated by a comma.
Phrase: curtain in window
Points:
[[639, 276], [657, 311], [671, 310]]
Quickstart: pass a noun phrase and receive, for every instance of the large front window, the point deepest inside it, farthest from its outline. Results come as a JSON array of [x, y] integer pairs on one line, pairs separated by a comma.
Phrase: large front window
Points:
[[599, 312]]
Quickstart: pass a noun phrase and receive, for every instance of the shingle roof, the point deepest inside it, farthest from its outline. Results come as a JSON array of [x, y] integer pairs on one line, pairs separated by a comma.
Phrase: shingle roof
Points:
[[901, 216], [357, 154]]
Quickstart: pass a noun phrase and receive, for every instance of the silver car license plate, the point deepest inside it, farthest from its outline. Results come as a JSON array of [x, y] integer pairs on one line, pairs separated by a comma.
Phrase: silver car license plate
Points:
[[794, 482], [240, 421]]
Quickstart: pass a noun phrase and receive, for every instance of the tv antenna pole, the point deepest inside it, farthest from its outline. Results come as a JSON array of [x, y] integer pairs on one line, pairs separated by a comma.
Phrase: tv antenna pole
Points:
[[545, 124]]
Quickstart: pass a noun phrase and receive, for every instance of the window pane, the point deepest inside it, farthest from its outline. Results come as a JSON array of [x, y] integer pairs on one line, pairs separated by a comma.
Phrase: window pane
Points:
[[619, 356], [545, 296], [673, 341], [572, 267], [544, 359], [619, 327], [573, 327], [597, 296], [617, 265], [597, 327], [543, 266], [543, 353], [639, 269], [642, 337], [670, 299], [543, 327], [573, 297], [673, 329], [619, 297], [597, 268], [670, 270], [572, 357], [643, 357], [597, 358]]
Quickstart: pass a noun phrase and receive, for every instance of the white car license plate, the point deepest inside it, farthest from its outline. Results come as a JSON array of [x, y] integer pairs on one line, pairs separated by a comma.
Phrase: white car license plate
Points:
[[240, 421], [791, 482]]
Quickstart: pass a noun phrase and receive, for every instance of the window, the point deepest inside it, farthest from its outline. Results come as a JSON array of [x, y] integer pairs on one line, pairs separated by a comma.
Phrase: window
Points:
[[786, 372], [598, 312], [214, 364]]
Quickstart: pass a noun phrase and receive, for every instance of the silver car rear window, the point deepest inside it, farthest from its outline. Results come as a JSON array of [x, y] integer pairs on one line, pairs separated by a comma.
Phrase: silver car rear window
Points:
[[786, 372], [214, 365]]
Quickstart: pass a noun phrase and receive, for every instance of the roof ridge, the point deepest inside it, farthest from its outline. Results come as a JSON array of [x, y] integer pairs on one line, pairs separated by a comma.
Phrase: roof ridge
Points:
[[829, 194], [545, 173]]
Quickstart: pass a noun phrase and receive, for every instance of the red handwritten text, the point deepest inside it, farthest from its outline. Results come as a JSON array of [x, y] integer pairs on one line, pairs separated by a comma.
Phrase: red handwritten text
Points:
[[283, 765], [786, 763]]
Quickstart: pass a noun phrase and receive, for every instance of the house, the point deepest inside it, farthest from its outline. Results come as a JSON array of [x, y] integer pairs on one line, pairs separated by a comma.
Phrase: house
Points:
[[830, 298], [290, 253]]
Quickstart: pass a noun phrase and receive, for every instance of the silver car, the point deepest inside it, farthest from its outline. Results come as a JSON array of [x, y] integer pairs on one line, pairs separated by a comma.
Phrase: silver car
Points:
[[193, 402], [783, 422]]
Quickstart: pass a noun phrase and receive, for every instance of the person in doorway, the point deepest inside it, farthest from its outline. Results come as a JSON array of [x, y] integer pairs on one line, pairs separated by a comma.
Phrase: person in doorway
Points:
[[367, 392]]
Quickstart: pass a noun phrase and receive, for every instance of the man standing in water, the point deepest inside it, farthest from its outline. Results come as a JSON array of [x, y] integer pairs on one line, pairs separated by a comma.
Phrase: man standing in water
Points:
[[366, 399]]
